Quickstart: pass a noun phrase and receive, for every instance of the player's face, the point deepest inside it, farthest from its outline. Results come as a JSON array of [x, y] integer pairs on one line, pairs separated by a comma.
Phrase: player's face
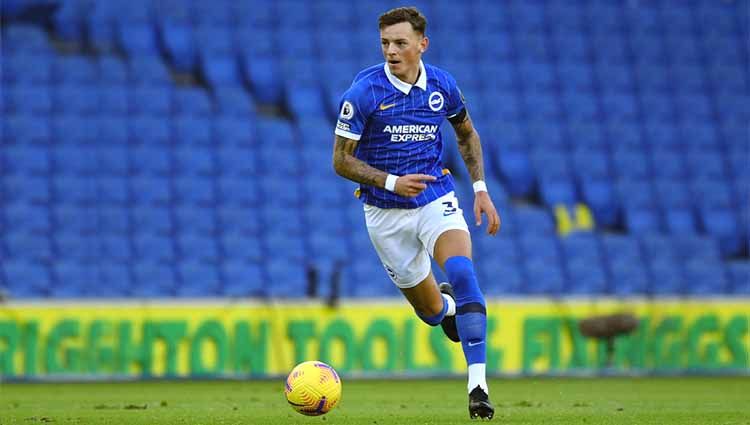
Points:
[[402, 49]]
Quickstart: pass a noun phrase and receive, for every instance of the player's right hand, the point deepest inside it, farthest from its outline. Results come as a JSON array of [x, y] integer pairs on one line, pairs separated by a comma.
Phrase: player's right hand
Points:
[[411, 185]]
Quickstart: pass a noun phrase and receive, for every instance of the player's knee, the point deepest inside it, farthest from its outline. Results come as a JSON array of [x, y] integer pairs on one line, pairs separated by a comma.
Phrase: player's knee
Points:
[[461, 274], [431, 313]]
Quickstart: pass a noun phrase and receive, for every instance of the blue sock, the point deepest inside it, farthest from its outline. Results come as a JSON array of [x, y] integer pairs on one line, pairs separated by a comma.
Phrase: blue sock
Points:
[[436, 319], [471, 313]]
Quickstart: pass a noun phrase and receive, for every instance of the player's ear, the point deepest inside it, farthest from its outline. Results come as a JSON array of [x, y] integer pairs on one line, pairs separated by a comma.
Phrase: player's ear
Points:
[[423, 44]]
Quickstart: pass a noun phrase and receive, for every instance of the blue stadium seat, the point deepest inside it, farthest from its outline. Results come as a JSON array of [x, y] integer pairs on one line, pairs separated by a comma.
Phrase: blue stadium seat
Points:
[[113, 281], [680, 220], [151, 190], [239, 220], [26, 129], [286, 279], [153, 101], [113, 190], [545, 277], [534, 221], [666, 277], [26, 217], [73, 279], [28, 99], [537, 75], [571, 47], [154, 247], [28, 246], [114, 130], [658, 107], [614, 77], [74, 190], [233, 131], [25, 37], [668, 164], [629, 277], [114, 100], [194, 246], [576, 78], [27, 160], [68, 21], [152, 279], [113, 160], [242, 279], [723, 224], [617, 247], [285, 246], [497, 75], [327, 246], [690, 247], [739, 277], [74, 219], [192, 131], [234, 191], [192, 102], [151, 160], [705, 276], [25, 188], [233, 100], [26, 67], [586, 277], [114, 219], [218, 13], [26, 279], [136, 39], [304, 101], [115, 248], [264, 75], [194, 161], [237, 162], [239, 246], [631, 164], [580, 106], [179, 45], [191, 219], [198, 279], [600, 197], [501, 278]]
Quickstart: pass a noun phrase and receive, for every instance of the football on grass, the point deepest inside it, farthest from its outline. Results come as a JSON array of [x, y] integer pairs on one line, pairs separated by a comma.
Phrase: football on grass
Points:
[[313, 388]]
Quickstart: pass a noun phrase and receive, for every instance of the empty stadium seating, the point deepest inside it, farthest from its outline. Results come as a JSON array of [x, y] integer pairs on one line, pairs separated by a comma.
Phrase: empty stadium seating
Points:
[[182, 148]]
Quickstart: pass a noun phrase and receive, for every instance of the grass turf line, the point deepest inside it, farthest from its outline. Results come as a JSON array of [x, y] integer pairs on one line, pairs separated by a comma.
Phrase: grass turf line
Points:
[[643, 401]]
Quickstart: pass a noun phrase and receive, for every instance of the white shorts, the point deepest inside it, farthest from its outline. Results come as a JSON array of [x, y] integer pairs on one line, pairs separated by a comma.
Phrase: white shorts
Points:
[[405, 238]]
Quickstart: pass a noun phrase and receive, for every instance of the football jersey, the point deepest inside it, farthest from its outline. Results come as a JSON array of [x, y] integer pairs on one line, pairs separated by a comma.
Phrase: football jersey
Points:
[[397, 126]]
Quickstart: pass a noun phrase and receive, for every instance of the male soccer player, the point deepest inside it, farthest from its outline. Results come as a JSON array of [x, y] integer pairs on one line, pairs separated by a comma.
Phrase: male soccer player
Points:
[[388, 140]]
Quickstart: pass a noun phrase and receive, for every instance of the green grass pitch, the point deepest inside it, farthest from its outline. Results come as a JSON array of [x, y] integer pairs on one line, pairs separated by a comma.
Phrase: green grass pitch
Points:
[[662, 401]]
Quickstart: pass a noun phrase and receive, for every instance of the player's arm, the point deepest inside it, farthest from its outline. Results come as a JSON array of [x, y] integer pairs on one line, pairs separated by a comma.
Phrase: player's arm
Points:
[[470, 148], [352, 168]]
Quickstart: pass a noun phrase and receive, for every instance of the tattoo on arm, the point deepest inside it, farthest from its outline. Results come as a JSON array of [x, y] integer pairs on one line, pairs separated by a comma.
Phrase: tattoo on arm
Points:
[[470, 147], [348, 166]]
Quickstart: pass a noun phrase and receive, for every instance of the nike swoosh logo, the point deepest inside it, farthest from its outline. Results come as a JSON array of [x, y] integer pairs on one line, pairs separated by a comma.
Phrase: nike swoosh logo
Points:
[[384, 107], [471, 344]]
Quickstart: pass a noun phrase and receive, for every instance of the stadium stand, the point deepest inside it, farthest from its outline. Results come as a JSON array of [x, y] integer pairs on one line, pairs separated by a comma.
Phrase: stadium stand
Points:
[[182, 148]]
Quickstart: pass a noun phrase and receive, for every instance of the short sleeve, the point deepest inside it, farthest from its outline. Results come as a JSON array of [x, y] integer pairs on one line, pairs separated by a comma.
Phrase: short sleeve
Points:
[[352, 115], [456, 101]]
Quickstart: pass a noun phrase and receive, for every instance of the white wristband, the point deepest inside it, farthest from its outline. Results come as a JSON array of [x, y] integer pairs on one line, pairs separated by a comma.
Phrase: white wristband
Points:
[[480, 186], [390, 183]]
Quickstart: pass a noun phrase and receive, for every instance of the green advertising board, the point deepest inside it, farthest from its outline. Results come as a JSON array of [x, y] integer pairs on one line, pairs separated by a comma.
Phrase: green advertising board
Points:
[[525, 336]]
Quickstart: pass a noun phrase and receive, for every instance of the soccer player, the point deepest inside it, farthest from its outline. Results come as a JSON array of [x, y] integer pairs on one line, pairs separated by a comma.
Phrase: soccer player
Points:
[[388, 140]]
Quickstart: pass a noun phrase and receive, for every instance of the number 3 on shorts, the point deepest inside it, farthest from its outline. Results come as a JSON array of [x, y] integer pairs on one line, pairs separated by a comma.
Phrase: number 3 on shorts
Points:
[[449, 208]]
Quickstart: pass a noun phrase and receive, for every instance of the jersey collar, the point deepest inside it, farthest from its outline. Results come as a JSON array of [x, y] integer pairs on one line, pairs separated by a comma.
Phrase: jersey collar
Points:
[[404, 87]]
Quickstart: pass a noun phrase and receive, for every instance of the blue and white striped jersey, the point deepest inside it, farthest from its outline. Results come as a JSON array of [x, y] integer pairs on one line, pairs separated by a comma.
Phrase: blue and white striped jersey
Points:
[[398, 128]]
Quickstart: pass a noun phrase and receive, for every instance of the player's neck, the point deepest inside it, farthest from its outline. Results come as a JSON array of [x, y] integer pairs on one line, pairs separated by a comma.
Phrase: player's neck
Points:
[[411, 77]]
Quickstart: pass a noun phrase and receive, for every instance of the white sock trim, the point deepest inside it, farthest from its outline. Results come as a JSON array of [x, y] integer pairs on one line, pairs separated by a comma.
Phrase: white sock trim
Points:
[[451, 305], [477, 376]]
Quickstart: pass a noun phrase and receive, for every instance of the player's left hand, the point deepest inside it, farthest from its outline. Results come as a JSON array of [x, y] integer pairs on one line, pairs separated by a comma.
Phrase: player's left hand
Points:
[[483, 204]]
